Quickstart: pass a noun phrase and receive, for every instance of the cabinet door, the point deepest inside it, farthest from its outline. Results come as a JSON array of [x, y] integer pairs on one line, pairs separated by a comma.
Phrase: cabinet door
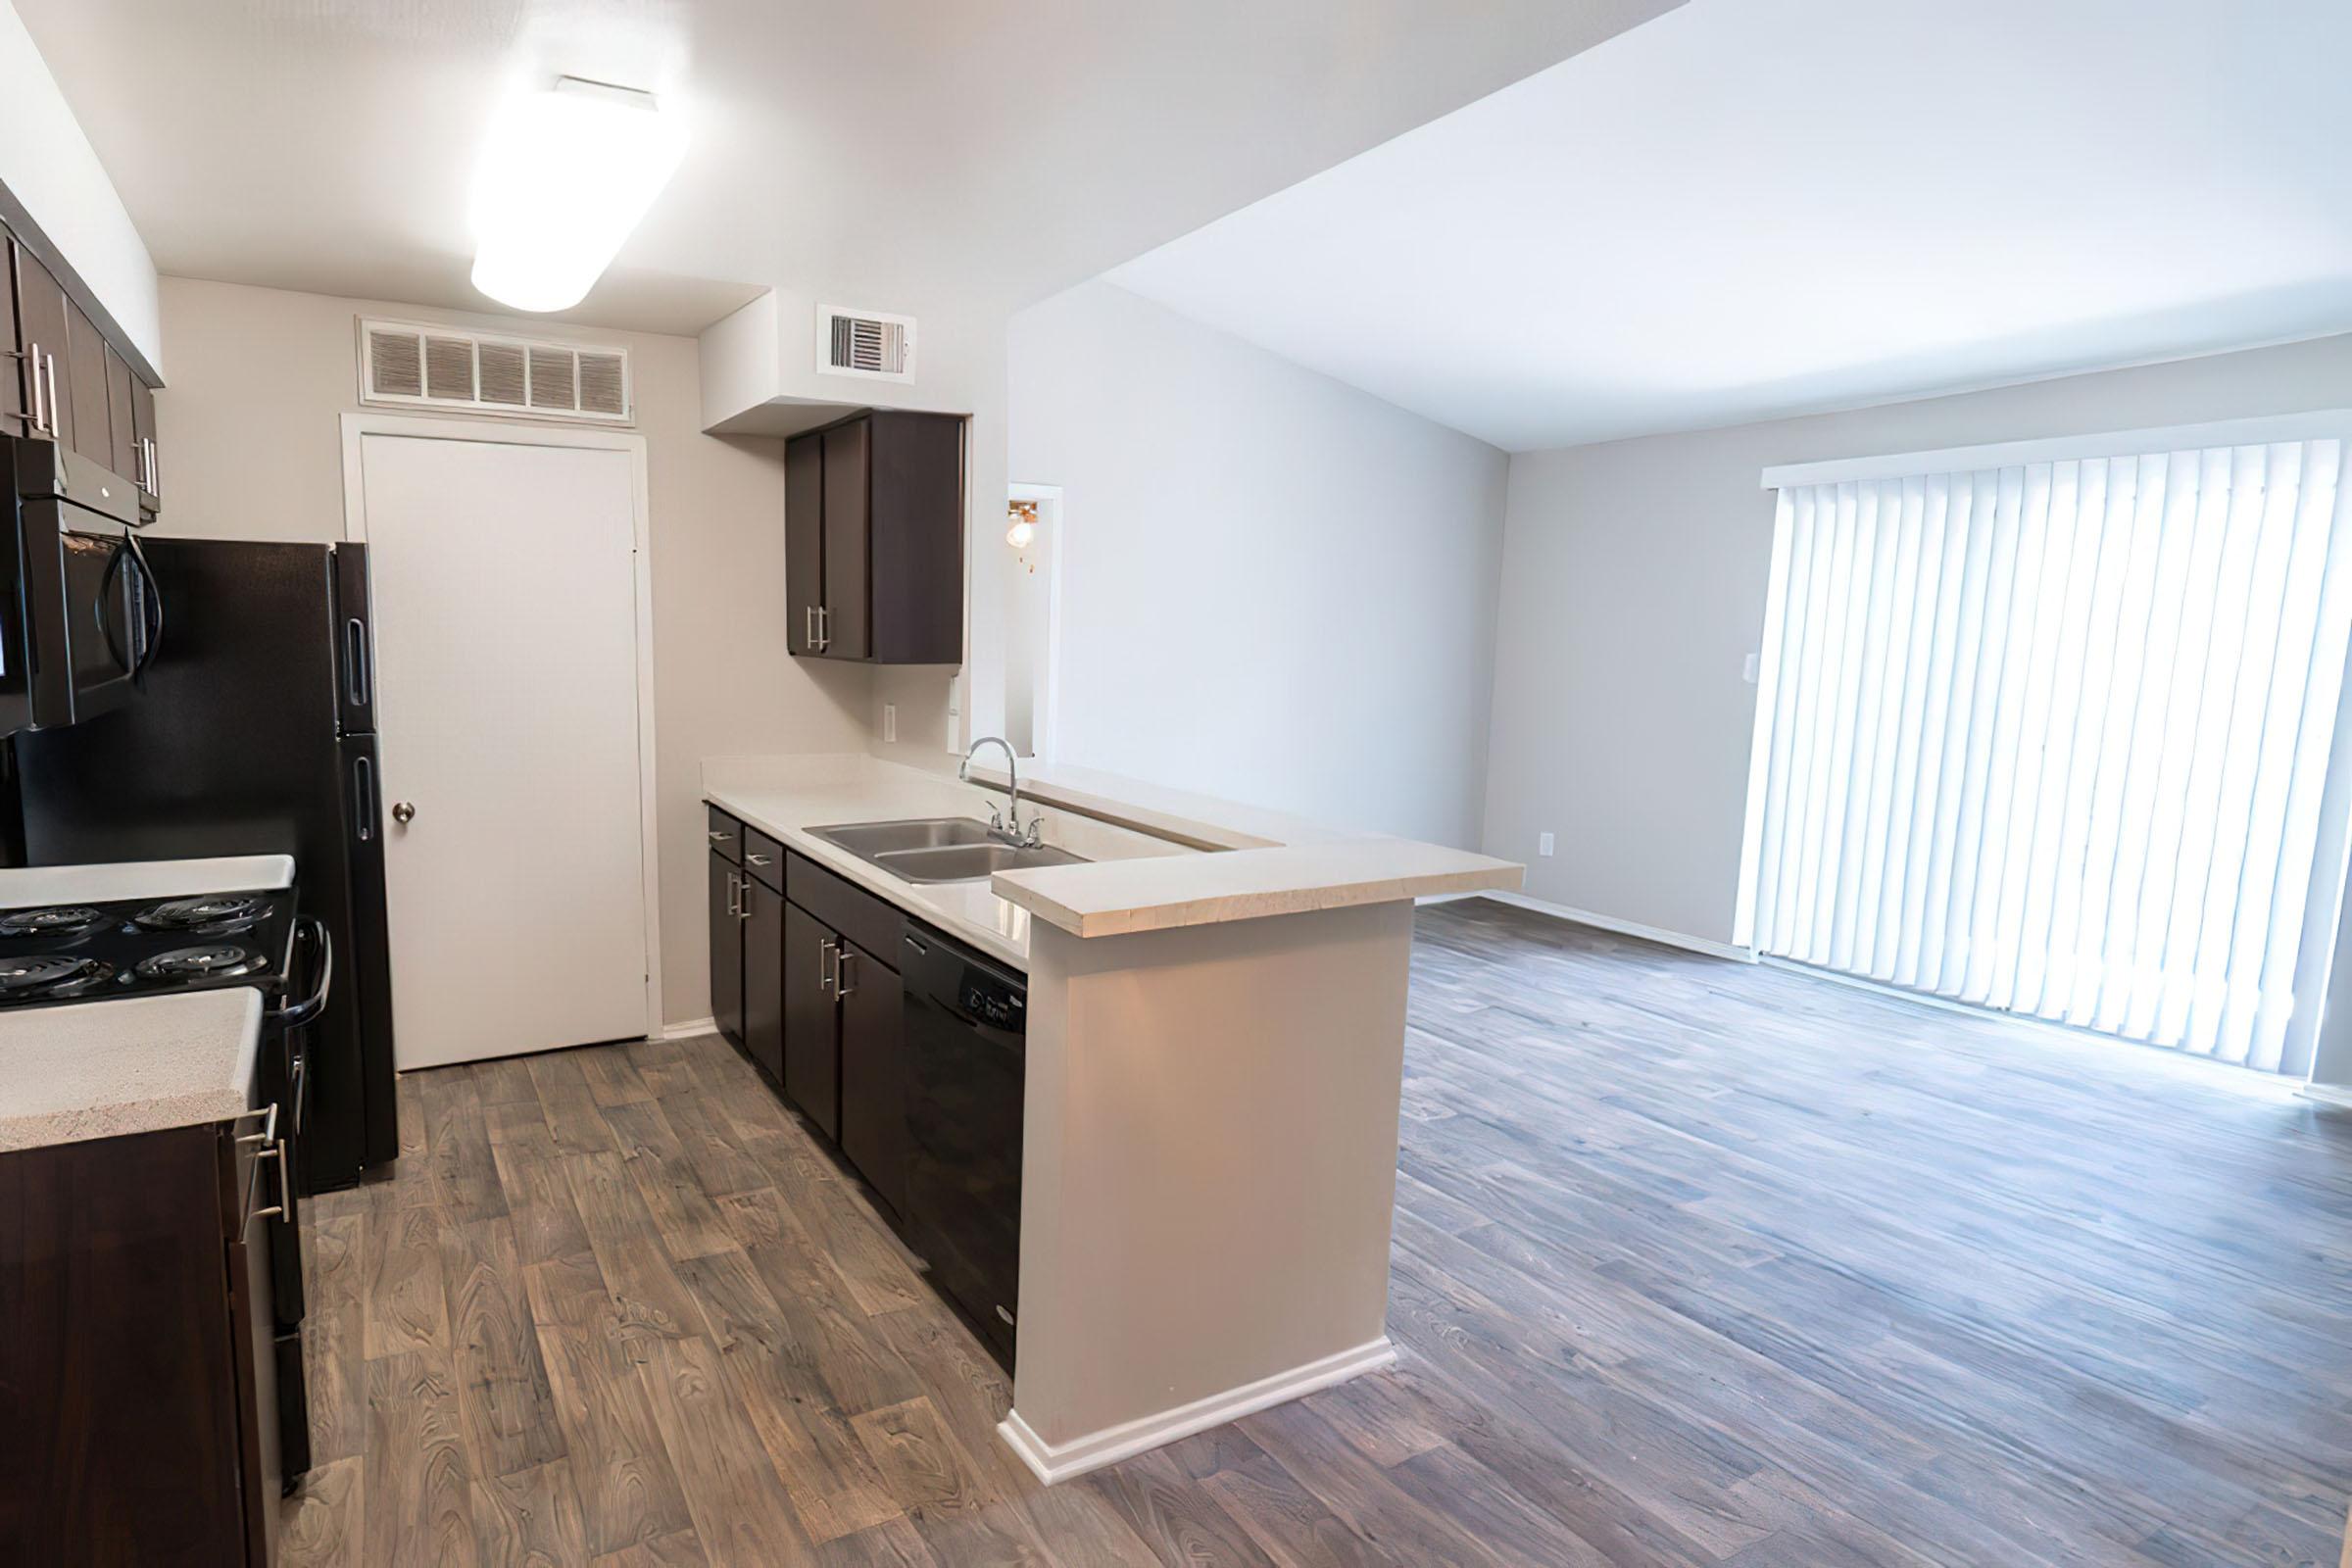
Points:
[[253, 1343], [914, 538], [873, 1104], [41, 324], [726, 947], [847, 499], [16, 413], [142, 434], [812, 1025], [124, 446], [804, 538], [82, 384], [764, 978]]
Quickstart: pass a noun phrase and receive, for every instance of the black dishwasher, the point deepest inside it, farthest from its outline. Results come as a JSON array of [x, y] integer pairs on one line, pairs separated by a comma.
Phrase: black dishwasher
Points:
[[966, 1021]]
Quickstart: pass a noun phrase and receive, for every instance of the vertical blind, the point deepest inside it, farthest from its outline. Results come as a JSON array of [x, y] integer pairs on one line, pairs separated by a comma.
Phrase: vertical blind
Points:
[[2055, 736]]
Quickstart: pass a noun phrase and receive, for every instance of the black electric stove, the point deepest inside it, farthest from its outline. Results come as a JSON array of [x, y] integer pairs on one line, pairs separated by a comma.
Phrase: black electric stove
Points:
[[139, 947]]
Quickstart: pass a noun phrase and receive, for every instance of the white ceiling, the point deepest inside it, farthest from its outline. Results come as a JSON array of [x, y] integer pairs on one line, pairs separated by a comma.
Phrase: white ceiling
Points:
[[1751, 208], [1022, 145]]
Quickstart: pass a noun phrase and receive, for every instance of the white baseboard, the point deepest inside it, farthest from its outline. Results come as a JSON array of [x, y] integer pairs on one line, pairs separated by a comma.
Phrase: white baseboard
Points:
[[1059, 1461], [1624, 929], [690, 1028], [2337, 1095]]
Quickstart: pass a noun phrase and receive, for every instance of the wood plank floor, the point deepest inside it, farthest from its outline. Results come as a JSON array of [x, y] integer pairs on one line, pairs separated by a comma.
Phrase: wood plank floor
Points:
[[1696, 1263]]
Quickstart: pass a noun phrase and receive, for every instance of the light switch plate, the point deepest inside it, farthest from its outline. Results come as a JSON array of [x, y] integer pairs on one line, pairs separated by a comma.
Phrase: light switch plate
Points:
[[1543, 844], [1748, 669], [890, 721]]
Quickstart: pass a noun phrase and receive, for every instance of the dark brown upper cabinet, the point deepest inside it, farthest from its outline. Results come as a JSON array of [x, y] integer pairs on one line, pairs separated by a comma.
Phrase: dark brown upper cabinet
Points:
[[16, 413], [63, 377], [873, 532], [82, 384], [125, 455], [43, 358], [148, 471]]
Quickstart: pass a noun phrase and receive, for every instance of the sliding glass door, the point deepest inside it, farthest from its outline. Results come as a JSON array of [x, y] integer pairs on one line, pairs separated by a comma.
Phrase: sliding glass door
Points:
[[2055, 736]]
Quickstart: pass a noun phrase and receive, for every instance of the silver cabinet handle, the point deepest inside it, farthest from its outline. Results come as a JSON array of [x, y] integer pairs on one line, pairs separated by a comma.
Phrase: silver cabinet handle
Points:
[[155, 468], [824, 624], [268, 1132], [735, 889], [745, 912], [841, 970], [32, 361], [403, 813], [808, 628], [51, 360], [755, 860], [828, 980], [720, 838], [275, 1151]]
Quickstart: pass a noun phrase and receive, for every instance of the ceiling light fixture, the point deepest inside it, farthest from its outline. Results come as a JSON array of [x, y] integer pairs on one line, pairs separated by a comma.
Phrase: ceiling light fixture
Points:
[[564, 177]]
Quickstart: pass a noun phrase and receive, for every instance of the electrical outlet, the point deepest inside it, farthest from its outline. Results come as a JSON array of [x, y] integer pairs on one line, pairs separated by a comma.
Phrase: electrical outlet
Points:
[[1748, 669], [890, 721], [1543, 844]]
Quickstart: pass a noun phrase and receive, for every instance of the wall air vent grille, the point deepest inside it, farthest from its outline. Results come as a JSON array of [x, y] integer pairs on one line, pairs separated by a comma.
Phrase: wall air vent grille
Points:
[[867, 343], [418, 366], [395, 365]]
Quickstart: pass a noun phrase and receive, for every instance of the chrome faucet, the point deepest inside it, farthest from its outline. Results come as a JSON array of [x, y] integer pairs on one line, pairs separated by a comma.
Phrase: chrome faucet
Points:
[[1007, 827]]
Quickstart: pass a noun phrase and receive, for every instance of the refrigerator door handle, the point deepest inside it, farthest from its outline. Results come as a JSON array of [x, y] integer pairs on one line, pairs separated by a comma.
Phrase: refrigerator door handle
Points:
[[363, 797], [355, 661]]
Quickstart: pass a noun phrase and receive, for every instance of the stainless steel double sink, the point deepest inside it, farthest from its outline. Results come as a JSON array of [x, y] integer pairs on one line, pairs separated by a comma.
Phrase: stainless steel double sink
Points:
[[940, 849]]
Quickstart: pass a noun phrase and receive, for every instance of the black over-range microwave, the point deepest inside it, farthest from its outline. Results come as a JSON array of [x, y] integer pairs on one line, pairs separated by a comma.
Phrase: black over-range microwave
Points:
[[79, 616]]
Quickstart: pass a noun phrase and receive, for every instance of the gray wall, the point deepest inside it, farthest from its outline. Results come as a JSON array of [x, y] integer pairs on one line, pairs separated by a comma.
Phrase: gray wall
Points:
[[1633, 589], [251, 439], [1274, 588]]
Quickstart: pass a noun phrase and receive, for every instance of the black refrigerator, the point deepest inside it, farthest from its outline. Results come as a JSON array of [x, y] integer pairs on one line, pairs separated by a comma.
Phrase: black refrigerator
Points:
[[254, 734]]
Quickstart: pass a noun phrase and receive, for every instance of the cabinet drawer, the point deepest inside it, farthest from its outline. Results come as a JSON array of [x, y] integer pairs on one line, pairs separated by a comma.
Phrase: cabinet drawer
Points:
[[764, 858], [871, 924], [726, 836]]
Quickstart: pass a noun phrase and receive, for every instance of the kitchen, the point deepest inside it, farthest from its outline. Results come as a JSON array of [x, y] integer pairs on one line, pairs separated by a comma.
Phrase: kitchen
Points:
[[785, 786]]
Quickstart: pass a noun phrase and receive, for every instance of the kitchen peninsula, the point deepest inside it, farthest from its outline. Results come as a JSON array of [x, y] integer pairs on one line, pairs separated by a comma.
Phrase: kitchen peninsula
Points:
[[1208, 1113]]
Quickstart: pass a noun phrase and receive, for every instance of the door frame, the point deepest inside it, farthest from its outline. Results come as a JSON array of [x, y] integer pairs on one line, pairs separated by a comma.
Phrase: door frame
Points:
[[359, 425]]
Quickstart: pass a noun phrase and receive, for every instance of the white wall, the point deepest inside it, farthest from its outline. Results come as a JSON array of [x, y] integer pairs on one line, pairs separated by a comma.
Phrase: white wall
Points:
[[1274, 588], [1633, 588], [250, 429], [47, 163]]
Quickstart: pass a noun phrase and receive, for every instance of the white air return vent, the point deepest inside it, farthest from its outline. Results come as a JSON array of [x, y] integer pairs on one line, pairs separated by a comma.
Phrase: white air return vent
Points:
[[867, 343], [428, 366]]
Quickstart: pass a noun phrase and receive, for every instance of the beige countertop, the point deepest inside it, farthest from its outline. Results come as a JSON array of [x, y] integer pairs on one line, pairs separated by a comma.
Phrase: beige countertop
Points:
[[1158, 858], [133, 1064], [785, 797]]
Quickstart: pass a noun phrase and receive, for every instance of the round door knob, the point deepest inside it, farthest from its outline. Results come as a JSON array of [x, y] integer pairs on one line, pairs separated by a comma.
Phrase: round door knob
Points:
[[403, 812]]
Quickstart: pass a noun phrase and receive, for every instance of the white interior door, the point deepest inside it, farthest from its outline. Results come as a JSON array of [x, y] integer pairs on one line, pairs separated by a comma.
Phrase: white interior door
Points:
[[505, 594]]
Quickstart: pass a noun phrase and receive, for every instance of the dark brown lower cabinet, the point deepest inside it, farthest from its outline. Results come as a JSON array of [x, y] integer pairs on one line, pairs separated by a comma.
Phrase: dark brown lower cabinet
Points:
[[816, 1006], [811, 1036], [763, 977], [874, 1097], [726, 946], [139, 1358]]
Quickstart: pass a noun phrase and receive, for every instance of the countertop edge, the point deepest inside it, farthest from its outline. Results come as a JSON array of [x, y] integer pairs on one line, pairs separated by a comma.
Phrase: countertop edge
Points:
[[124, 1118], [1215, 909]]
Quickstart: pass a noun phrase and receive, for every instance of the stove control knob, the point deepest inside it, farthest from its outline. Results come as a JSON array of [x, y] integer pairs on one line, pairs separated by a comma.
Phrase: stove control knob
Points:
[[403, 812]]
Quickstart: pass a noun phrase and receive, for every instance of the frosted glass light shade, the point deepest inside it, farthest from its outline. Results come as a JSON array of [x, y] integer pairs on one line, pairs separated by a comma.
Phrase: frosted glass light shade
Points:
[[564, 178]]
